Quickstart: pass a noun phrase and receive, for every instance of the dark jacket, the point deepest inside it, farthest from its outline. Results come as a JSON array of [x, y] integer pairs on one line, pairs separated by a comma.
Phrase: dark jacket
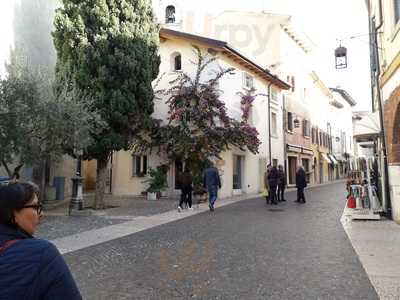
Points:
[[211, 178], [281, 178], [186, 180], [301, 181], [33, 269], [273, 177]]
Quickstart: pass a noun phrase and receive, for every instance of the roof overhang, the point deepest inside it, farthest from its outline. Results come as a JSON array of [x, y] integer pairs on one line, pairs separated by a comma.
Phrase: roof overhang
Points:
[[333, 159], [368, 128], [345, 95], [225, 49], [326, 158]]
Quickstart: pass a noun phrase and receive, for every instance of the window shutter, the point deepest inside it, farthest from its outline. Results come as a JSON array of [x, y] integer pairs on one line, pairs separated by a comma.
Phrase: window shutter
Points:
[[289, 121], [144, 170]]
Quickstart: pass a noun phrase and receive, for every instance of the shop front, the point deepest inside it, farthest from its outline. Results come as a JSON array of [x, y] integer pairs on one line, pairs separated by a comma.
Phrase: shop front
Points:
[[299, 156]]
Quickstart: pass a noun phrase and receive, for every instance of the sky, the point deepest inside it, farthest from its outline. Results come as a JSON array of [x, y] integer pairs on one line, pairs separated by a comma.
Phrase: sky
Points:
[[6, 19], [324, 21]]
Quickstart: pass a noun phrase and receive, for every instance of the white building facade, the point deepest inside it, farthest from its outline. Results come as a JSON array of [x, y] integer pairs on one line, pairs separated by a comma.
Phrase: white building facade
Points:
[[241, 171]]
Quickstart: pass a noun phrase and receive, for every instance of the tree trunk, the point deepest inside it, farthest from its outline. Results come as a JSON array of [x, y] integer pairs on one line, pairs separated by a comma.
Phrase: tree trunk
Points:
[[43, 182], [38, 178], [100, 183], [7, 168]]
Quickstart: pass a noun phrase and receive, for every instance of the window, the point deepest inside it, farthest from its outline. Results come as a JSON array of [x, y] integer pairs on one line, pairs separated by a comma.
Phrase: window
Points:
[[274, 95], [289, 121], [176, 61], [248, 81], [313, 135], [139, 165], [170, 14], [274, 125], [306, 128]]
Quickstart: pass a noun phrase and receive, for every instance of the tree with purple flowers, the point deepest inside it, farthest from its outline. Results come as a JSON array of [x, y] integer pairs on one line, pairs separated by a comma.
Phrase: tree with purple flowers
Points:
[[199, 127]]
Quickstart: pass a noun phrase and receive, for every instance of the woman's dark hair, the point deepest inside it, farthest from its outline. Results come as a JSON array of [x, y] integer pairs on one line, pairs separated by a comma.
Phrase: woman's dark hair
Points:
[[13, 197]]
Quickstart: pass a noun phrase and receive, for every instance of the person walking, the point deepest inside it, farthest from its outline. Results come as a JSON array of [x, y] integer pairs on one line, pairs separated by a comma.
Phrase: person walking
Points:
[[273, 184], [301, 184], [281, 183], [266, 184], [29, 268], [186, 182], [211, 182]]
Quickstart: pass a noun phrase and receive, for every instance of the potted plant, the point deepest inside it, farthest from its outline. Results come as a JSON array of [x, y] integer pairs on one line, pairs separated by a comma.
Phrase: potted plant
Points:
[[157, 182]]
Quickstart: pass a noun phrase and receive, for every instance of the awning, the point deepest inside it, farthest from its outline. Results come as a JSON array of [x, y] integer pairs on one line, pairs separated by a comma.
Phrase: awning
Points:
[[326, 158], [333, 159], [339, 157], [299, 149], [367, 128], [293, 148], [308, 151]]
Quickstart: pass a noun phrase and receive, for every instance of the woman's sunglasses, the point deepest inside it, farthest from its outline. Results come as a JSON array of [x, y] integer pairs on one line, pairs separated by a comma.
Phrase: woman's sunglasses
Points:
[[37, 207]]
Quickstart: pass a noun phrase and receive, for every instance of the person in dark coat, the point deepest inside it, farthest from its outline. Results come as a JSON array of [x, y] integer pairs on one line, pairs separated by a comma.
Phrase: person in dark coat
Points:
[[186, 182], [273, 184], [281, 183], [301, 184], [30, 268], [266, 184], [211, 182]]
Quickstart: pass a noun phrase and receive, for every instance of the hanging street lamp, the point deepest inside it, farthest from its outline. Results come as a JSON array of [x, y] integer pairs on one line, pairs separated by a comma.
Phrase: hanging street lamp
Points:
[[296, 122], [341, 57]]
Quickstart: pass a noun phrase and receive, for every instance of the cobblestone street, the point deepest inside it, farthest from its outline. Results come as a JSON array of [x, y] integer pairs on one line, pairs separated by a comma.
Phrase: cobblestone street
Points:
[[56, 223], [245, 250]]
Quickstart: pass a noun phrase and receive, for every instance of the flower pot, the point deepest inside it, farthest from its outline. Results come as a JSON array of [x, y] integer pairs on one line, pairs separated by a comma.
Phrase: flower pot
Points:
[[152, 196], [199, 198]]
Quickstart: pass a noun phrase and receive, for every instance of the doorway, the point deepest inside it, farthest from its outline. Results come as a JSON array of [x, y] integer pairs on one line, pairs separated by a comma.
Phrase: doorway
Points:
[[306, 165], [292, 169], [237, 172]]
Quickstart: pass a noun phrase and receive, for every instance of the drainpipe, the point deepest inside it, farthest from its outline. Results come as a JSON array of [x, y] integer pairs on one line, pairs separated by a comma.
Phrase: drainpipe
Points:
[[387, 204], [372, 55], [284, 125], [269, 123]]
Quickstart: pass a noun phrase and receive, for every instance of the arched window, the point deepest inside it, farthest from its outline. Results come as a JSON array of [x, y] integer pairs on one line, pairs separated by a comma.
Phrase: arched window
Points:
[[176, 61], [170, 14]]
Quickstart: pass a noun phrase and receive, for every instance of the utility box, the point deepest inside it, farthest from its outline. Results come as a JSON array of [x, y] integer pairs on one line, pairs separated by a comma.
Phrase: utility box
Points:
[[59, 184]]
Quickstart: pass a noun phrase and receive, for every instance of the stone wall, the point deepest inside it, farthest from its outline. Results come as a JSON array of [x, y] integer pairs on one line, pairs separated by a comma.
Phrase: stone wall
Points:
[[392, 127]]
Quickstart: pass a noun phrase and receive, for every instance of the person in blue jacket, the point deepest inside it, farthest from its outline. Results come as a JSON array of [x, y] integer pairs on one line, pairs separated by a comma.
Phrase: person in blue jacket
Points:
[[30, 268], [211, 182]]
